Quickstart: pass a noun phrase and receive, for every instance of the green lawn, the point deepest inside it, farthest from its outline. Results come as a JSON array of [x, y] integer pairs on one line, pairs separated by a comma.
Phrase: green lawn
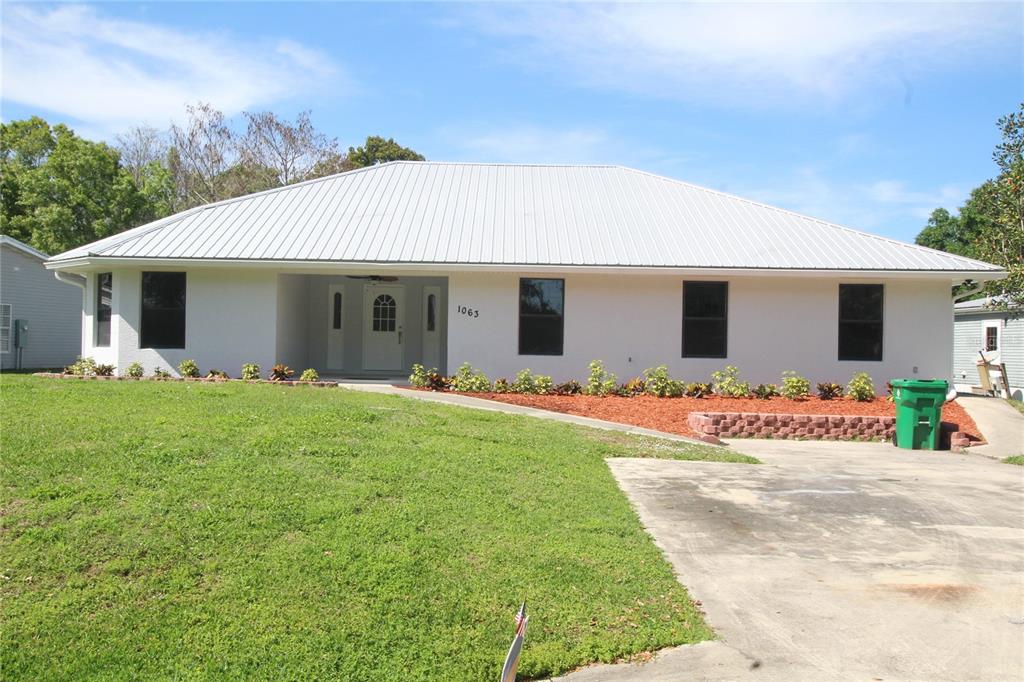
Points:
[[1017, 404], [1015, 459], [185, 530]]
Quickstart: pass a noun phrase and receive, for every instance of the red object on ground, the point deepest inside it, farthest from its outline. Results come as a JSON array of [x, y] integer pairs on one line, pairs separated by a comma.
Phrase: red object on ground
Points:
[[670, 414]]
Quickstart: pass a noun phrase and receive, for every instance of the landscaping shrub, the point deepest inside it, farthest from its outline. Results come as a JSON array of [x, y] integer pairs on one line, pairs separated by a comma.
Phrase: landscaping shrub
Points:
[[309, 375], [437, 381], [502, 386], [765, 391], [658, 382], [600, 382], [134, 370], [861, 387], [189, 369], [161, 373], [697, 390], [829, 391], [81, 367], [794, 386], [250, 371], [419, 376], [727, 383], [104, 370], [217, 374], [281, 372], [530, 383], [469, 380], [571, 387], [635, 386], [888, 392]]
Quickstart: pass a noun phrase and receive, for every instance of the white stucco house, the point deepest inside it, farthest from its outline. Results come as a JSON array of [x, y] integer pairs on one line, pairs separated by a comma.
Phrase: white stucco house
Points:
[[49, 311], [983, 329], [508, 267]]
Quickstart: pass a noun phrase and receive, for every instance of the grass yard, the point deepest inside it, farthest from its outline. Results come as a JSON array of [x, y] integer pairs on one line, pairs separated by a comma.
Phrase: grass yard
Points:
[[159, 530], [1015, 459], [1016, 404]]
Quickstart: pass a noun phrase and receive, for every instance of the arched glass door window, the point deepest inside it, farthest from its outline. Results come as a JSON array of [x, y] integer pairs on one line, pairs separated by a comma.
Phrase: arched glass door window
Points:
[[431, 312], [384, 314], [336, 317]]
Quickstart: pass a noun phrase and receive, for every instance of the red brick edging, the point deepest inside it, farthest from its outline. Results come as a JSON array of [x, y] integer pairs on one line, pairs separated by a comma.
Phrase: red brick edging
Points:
[[803, 426]]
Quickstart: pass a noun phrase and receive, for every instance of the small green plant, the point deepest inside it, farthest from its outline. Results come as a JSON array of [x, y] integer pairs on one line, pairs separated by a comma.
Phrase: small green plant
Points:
[[657, 381], [161, 373], [469, 380], [727, 383], [861, 388], [829, 391], [501, 386], [104, 370], [81, 367], [571, 387], [794, 386], [281, 372], [310, 375], [765, 391], [217, 374], [134, 370], [600, 382], [251, 371], [528, 382], [419, 376], [188, 369], [698, 390]]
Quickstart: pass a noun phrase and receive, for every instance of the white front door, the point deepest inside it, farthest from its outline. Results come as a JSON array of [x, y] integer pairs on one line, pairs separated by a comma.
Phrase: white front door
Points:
[[431, 327], [383, 315], [335, 326]]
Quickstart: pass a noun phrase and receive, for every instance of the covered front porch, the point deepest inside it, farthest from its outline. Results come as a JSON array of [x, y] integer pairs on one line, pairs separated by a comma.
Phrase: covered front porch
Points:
[[362, 326]]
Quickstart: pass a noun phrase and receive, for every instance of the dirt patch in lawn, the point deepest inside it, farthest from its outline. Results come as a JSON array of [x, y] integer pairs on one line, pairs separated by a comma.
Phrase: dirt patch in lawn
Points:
[[669, 414]]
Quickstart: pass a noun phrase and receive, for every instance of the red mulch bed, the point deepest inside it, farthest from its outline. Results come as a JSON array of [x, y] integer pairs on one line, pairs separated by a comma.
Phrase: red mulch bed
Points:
[[669, 414]]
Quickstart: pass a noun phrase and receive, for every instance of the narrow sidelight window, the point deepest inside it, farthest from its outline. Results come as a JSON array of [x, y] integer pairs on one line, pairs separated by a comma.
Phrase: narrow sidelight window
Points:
[[705, 319], [991, 339], [104, 289], [163, 310], [541, 316], [336, 313], [6, 320], [860, 321], [431, 312]]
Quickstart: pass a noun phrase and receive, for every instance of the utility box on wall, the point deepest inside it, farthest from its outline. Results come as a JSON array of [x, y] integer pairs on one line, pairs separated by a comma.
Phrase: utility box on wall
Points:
[[20, 333]]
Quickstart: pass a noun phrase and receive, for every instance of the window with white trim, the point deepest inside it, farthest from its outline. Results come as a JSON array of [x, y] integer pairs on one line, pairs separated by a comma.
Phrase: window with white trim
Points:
[[5, 327]]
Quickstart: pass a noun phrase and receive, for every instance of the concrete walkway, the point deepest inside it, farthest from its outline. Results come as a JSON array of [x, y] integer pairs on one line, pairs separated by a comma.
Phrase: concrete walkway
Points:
[[463, 400], [1000, 423]]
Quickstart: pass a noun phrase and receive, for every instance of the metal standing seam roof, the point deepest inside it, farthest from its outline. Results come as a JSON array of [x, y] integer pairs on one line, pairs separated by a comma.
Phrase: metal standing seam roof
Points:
[[426, 212]]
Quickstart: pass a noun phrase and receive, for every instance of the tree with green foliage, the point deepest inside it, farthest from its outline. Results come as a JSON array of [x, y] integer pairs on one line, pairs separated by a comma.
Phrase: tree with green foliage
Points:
[[378, 150], [62, 191], [990, 224]]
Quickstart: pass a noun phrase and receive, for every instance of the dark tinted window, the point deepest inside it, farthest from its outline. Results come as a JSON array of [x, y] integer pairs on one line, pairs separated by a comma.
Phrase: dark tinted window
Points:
[[431, 312], [541, 316], [163, 310], [860, 321], [336, 321], [991, 339], [705, 319], [104, 291]]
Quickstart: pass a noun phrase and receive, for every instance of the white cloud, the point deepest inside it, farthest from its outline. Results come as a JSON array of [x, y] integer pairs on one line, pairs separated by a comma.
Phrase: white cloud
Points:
[[113, 73], [753, 53], [530, 144]]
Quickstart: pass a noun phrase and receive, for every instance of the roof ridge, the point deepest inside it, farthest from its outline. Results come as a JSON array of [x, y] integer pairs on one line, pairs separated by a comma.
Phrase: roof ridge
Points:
[[822, 221], [22, 246]]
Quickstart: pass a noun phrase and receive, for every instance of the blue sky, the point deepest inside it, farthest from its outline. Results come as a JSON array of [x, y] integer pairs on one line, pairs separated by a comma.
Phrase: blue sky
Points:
[[868, 115]]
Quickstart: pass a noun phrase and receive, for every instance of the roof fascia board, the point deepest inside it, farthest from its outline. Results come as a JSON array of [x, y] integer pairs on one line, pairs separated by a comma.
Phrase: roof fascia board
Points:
[[92, 263]]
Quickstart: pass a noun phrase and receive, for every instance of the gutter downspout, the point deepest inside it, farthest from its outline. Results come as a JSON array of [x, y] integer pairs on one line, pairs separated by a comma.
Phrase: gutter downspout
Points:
[[68, 278], [970, 292]]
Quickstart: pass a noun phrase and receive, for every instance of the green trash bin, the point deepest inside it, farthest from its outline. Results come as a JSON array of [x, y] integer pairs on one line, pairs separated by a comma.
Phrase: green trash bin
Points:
[[918, 412]]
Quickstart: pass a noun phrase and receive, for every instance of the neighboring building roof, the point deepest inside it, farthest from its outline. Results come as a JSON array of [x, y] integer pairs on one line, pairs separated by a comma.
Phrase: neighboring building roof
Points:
[[21, 246], [980, 304], [460, 213]]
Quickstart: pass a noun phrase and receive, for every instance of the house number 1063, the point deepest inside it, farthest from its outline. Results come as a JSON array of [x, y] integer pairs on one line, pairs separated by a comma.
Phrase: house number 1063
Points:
[[471, 312]]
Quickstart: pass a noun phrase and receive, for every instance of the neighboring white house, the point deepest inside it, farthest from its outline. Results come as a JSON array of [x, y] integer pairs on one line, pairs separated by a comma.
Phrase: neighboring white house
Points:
[[516, 266], [51, 309], [997, 334]]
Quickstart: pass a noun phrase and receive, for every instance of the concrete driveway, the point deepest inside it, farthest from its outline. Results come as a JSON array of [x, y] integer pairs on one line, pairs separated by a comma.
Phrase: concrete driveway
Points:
[[839, 561]]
